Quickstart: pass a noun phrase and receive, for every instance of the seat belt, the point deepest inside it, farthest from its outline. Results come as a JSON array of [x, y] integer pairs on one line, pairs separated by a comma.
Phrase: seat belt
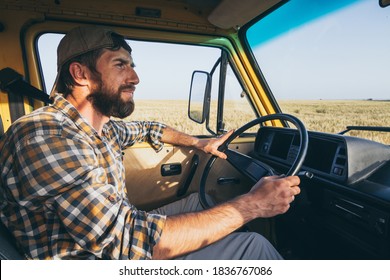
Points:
[[1, 127], [13, 83]]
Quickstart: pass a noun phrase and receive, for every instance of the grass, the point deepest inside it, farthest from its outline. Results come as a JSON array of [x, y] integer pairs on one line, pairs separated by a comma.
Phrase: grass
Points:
[[330, 116]]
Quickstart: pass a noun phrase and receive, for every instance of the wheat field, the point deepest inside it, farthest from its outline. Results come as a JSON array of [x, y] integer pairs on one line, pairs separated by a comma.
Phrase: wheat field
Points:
[[330, 116], [335, 115]]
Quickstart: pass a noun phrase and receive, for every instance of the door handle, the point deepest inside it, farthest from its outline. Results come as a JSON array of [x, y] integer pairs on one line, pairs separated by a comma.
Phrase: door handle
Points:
[[228, 180], [170, 169]]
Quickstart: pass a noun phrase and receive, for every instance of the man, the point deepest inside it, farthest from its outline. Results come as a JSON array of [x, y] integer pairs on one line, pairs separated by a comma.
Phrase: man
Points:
[[62, 175]]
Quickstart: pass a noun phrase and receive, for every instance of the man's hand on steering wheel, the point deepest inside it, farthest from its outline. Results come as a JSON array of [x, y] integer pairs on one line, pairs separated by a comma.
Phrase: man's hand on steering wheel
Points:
[[272, 195], [210, 146]]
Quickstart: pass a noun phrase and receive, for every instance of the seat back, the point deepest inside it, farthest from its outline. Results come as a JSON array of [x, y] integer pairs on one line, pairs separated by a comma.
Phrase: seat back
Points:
[[14, 84], [8, 248]]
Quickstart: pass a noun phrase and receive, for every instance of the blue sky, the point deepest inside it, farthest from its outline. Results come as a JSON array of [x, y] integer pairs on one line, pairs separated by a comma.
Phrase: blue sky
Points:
[[343, 55]]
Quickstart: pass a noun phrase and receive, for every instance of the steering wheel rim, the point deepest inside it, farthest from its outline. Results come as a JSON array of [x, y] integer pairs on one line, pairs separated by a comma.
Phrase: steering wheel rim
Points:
[[295, 167]]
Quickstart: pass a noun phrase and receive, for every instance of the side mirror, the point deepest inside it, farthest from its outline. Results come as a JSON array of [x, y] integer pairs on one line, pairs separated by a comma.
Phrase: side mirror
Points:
[[199, 100]]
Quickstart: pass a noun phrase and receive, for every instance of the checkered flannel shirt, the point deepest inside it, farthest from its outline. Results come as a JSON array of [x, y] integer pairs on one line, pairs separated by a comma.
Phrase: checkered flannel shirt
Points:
[[62, 187]]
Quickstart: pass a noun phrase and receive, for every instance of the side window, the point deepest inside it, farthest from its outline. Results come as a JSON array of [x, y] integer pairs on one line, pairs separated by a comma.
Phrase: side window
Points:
[[165, 71], [237, 107]]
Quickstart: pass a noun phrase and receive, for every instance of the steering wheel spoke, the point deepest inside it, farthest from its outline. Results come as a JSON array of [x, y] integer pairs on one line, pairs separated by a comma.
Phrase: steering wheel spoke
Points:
[[250, 167]]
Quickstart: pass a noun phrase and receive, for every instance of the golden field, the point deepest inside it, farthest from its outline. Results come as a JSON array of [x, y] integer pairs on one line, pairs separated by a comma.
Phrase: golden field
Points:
[[318, 115], [335, 115]]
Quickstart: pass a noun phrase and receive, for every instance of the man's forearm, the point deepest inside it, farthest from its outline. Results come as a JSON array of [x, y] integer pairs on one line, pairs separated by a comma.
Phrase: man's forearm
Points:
[[189, 232], [185, 233], [207, 145], [174, 137]]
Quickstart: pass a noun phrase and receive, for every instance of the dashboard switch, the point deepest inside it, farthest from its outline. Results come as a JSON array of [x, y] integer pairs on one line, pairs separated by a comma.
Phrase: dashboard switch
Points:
[[338, 171]]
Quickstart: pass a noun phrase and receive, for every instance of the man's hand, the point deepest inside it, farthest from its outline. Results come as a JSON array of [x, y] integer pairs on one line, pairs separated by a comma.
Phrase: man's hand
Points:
[[210, 146], [272, 195]]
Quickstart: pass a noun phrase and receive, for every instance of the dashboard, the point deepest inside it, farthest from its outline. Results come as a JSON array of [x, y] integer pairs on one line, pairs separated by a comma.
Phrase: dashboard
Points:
[[336, 157], [346, 205]]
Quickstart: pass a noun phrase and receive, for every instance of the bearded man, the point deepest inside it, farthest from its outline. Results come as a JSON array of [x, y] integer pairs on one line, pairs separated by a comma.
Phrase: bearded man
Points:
[[62, 176]]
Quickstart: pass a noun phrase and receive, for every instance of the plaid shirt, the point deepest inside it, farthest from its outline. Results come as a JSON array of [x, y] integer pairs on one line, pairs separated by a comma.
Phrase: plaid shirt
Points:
[[62, 187]]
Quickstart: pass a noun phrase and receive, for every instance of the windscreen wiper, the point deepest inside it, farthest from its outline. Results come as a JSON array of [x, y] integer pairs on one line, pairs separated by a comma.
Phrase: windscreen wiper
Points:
[[366, 128]]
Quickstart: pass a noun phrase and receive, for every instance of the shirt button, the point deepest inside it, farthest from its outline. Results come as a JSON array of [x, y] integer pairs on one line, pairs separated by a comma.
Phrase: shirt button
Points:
[[111, 198]]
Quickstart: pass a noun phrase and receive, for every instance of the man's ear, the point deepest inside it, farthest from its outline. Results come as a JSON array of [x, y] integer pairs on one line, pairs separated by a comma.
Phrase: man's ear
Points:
[[78, 72]]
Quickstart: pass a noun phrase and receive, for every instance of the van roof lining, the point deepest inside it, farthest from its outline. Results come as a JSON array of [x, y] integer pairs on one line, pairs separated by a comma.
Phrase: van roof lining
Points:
[[234, 14]]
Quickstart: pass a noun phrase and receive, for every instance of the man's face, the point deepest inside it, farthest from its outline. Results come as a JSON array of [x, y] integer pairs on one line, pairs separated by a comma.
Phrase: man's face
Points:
[[112, 93]]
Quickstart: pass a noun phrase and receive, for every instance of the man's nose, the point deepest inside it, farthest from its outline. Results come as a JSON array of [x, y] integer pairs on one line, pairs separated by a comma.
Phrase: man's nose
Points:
[[132, 76]]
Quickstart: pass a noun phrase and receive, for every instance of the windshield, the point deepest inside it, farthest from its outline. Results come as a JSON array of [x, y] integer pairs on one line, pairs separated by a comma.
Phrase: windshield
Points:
[[328, 63]]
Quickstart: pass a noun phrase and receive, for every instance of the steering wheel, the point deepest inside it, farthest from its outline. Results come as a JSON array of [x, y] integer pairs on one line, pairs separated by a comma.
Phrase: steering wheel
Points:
[[249, 166]]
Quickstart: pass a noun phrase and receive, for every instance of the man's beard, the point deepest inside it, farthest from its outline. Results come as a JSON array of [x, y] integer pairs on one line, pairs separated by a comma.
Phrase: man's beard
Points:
[[109, 102]]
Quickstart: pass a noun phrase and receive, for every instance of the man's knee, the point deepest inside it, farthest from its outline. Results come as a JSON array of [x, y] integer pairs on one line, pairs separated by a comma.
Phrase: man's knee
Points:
[[256, 246], [256, 240]]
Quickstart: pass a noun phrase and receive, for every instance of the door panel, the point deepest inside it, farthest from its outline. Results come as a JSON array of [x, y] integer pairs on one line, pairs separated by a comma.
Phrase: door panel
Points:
[[147, 189]]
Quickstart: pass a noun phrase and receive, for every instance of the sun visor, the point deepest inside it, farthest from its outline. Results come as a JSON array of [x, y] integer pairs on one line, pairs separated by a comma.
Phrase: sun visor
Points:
[[236, 13]]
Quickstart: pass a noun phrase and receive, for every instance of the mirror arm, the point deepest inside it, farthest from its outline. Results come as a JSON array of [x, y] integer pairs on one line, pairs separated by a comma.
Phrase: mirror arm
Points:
[[215, 66], [208, 111], [221, 92]]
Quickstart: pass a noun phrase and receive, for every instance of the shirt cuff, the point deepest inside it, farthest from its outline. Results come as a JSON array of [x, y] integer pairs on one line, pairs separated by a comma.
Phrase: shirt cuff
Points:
[[147, 230], [155, 134]]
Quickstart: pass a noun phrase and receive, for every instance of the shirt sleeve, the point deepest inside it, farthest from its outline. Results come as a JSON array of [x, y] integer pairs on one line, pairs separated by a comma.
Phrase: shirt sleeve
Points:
[[138, 131], [86, 214]]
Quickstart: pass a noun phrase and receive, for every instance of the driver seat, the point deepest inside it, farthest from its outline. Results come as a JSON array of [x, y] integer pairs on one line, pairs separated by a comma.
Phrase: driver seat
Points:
[[8, 248]]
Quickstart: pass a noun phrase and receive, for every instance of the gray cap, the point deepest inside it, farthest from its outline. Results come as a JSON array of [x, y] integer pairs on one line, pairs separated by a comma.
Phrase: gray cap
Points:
[[81, 40]]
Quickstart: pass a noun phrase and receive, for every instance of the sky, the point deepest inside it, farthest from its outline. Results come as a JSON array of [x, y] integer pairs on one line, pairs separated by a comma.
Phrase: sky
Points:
[[343, 55]]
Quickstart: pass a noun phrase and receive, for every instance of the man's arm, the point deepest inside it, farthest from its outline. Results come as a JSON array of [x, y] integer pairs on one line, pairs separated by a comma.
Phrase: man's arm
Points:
[[189, 232], [207, 145]]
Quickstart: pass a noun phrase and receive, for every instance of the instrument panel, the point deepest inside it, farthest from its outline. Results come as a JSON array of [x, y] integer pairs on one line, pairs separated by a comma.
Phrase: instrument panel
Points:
[[339, 158]]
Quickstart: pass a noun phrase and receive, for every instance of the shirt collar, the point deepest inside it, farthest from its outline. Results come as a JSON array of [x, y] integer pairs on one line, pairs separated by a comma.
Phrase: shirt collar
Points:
[[72, 113]]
